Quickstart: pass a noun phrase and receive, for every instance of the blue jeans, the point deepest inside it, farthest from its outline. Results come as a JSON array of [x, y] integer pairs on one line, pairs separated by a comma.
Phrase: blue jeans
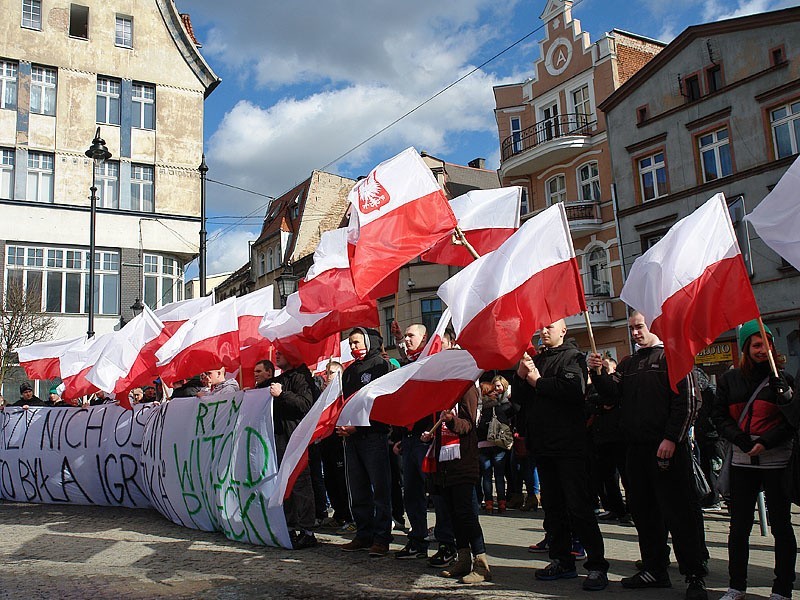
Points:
[[369, 482], [493, 460], [413, 453]]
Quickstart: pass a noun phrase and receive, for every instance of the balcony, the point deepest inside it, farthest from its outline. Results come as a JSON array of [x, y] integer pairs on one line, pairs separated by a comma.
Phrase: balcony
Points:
[[583, 216], [549, 142], [600, 315]]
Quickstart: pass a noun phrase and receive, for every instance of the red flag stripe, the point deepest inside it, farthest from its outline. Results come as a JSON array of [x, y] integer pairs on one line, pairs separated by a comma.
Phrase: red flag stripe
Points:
[[445, 252]]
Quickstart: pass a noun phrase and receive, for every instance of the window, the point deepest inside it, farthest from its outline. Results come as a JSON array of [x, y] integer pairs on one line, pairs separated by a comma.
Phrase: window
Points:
[[388, 319], [777, 56], [32, 14], [589, 182], [124, 32], [60, 277], [524, 205], [431, 312], [163, 280], [583, 106], [650, 240], [599, 280], [8, 84], [262, 264], [144, 106], [270, 261], [715, 155], [550, 127], [6, 173], [714, 78], [40, 177], [641, 114], [79, 21], [556, 188], [107, 181], [142, 194], [653, 176], [785, 122], [108, 91], [692, 88], [516, 134], [43, 91]]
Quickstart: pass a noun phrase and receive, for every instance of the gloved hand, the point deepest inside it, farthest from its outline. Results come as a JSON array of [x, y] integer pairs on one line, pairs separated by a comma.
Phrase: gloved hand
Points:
[[744, 442], [780, 387]]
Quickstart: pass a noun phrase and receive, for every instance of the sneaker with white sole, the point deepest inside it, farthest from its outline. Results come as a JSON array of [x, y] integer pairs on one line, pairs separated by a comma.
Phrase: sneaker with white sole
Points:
[[646, 579], [733, 594]]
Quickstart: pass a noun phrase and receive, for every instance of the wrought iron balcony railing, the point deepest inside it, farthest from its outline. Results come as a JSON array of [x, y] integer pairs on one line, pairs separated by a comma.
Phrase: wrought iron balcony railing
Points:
[[550, 129]]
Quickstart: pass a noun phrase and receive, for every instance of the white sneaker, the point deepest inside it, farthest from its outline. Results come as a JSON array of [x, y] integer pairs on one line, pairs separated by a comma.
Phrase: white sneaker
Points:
[[776, 596], [733, 594]]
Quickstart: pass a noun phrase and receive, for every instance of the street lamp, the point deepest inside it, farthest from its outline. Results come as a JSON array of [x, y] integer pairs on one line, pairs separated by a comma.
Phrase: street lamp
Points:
[[137, 307], [203, 168], [287, 283], [99, 154]]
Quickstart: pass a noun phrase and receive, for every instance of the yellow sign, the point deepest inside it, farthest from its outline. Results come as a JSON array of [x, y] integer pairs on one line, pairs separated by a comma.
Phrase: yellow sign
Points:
[[715, 353]]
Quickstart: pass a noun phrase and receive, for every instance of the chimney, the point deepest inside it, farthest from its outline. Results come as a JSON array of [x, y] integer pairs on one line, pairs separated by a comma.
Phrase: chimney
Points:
[[477, 163]]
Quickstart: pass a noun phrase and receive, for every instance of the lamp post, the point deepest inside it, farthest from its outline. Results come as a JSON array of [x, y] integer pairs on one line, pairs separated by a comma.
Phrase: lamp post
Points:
[[137, 307], [287, 283], [99, 153], [203, 168]]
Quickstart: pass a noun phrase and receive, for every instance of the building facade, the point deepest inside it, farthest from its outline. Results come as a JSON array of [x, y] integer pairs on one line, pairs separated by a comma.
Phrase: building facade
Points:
[[134, 70], [554, 144], [718, 110]]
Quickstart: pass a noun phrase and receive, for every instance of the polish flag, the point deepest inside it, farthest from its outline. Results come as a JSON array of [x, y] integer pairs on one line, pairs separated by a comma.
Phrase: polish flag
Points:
[[76, 363], [777, 217], [129, 358], [406, 395], [295, 334], [692, 285], [501, 299], [41, 360], [397, 212], [318, 423], [208, 340], [434, 343], [250, 311], [175, 314], [344, 358], [486, 217]]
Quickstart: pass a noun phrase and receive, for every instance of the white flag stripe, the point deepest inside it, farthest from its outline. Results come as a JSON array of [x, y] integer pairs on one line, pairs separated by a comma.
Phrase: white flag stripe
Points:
[[298, 442], [288, 321], [183, 310], [777, 217], [694, 243], [49, 349], [451, 365], [331, 253], [444, 321], [488, 209], [79, 357], [519, 258], [255, 303], [214, 321]]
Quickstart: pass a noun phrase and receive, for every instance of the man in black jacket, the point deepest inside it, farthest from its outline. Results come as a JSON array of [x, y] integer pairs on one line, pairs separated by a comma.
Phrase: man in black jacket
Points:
[[656, 420], [366, 451], [26, 397], [552, 389], [293, 393]]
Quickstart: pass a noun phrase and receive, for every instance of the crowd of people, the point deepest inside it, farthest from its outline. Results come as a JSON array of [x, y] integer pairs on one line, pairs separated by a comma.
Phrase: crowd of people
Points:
[[570, 429]]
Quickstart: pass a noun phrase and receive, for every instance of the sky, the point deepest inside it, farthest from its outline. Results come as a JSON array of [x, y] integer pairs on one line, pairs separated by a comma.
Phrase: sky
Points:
[[307, 84]]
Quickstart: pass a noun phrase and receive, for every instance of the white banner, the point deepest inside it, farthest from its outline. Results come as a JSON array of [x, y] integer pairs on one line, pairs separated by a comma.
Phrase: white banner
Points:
[[73, 455], [209, 463]]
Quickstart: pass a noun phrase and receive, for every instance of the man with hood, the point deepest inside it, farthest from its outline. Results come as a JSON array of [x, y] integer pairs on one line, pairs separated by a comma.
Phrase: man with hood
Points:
[[551, 387], [366, 451], [26, 397], [293, 393], [656, 422]]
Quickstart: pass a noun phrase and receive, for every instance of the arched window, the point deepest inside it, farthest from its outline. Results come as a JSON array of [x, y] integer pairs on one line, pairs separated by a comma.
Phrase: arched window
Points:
[[270, 261], [262, 263], [599, 274], [556, 189]]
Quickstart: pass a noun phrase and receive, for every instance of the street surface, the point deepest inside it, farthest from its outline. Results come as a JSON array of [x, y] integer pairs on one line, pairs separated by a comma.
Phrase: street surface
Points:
[[75, 552]]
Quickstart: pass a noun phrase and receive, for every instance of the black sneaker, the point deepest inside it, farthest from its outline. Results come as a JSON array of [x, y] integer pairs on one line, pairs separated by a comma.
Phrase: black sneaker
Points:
[[646, 579], [595, 581], [301, 539], [608, 515], [410, 552], [696, 588], [555, 570], [444, 557]]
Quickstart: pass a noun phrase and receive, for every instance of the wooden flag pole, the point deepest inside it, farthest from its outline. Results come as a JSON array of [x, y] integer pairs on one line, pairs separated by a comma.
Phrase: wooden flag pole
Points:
[[591, 337], [462, 241], [769, 350]]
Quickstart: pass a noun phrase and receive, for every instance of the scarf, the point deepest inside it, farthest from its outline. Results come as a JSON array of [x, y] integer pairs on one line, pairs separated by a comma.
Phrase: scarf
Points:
[[449, 444]]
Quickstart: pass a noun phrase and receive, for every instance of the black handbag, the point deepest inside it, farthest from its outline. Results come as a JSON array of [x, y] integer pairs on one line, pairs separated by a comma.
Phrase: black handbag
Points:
[[701, 486]]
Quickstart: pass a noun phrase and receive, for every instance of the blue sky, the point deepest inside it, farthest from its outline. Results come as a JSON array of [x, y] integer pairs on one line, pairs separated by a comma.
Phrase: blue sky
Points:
[[306, 81]]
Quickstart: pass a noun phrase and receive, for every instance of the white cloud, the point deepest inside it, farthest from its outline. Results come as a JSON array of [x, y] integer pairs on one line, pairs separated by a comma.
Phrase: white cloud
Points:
[[229, 251], [716, 10]]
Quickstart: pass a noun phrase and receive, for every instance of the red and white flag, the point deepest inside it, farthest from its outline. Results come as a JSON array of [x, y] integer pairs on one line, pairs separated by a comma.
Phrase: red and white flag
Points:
[[41, 360], [318, 423], [486, 217], [501, 299], [397, 212], [175, 314], [777, 217], [76, 363], [303, 338], [344, 357], [692, 285], [208, 340], [434, 343], [129, 359], [253, 347], [418, 389]]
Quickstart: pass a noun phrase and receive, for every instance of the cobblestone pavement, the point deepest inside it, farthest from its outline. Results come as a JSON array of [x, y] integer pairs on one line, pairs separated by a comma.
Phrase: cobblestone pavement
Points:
[[73, 552]]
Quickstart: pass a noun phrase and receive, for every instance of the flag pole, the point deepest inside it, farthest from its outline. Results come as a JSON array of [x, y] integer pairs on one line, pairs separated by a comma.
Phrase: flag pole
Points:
[[591, 337], [462, 241], [769, 350]]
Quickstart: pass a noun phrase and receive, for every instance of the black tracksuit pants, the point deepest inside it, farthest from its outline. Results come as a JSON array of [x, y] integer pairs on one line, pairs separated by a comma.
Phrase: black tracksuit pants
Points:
[[664, 501]]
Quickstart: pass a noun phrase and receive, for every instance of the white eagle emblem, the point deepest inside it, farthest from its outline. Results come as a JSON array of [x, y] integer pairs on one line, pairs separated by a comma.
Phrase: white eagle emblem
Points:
[[371, 194]]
